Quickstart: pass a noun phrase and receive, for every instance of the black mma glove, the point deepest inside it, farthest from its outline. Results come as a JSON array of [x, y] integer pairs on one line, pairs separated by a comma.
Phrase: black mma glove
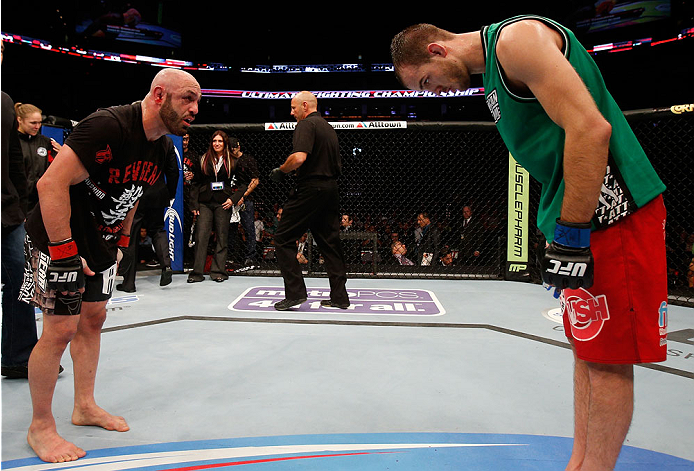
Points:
[[64, 272], [277, 175], [126, 260], [568, 261]]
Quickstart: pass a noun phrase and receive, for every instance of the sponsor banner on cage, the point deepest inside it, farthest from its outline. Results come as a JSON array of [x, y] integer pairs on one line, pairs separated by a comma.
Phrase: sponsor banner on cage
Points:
[[358, 125], [518, 200], [679, 109], [364, 301]]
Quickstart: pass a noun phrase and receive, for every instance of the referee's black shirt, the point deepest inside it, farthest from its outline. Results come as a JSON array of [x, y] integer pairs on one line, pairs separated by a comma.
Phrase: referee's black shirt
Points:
[[315, 136]]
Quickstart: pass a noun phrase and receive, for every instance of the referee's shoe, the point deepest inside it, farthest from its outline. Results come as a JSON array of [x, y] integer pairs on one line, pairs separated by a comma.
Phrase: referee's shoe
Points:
[[288, 303], [329, 303]]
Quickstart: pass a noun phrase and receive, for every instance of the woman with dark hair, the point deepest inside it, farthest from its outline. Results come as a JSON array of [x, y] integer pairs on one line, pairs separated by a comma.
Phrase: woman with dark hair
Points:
[[211, 202]]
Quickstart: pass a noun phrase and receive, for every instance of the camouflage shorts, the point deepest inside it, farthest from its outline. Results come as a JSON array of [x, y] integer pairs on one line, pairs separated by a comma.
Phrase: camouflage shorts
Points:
[[35, 292]]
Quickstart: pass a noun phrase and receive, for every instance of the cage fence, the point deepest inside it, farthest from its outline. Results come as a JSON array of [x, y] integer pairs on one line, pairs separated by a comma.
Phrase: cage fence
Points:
[[407, 193]]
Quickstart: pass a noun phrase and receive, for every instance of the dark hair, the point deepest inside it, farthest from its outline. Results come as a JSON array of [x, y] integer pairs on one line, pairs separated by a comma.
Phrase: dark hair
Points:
[[408, 47], [444, 251], [207, 160]]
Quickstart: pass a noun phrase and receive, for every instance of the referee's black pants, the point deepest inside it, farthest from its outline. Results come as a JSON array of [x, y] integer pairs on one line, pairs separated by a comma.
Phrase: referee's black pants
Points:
[[314, 205]]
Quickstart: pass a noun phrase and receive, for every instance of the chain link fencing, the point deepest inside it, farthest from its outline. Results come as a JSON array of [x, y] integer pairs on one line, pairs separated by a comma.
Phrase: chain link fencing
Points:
[[396, 180]]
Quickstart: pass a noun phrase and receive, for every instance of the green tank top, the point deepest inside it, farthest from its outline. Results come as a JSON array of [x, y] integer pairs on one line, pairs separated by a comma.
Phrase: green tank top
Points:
[[537, 143]]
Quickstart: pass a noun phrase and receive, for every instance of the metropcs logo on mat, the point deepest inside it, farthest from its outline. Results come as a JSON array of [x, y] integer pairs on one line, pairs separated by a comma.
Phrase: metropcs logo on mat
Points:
[[587, 314], [366, 301]]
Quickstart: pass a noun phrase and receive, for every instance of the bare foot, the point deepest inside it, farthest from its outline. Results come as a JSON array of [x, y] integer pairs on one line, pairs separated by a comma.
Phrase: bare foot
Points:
[[51, 447], [100, 418]]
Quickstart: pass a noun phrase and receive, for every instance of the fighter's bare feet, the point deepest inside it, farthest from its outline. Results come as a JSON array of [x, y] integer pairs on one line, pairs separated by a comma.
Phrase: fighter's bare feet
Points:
[[51, 447], [98, 417]]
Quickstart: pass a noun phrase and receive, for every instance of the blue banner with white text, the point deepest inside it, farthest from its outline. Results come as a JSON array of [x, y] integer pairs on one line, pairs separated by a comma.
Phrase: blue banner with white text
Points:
[[173, 215]]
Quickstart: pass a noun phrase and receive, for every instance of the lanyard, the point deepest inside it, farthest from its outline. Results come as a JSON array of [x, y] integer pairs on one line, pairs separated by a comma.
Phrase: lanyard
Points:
[[217, 166]]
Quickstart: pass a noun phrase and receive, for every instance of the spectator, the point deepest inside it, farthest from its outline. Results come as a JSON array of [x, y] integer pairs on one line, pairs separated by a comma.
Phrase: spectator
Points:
[[150, 215], [346, 222], [190, 160], [246, 172], [145, 250], [446, 258], [417, 232], [18, 321], [350, 246], [471, 237], [259, 227], [271, 214], [405, 233], [211, 201], [302, 249], [236, 242], [38, 150], [399, 250], [429, 240], [368, 249], [269, 234]]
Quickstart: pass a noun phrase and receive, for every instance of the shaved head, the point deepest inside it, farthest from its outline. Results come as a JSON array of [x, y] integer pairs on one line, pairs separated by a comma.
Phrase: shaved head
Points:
[[303, 104], [171, 79], [309, 98], [171, 103]]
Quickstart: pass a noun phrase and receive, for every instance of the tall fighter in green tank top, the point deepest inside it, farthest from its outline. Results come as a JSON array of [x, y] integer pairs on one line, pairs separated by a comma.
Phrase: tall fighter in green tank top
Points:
[[537, 143], [600, 205]]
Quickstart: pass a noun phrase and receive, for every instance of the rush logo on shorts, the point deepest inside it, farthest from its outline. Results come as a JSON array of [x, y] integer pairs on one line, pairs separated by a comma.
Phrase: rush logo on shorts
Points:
[[587, 314]]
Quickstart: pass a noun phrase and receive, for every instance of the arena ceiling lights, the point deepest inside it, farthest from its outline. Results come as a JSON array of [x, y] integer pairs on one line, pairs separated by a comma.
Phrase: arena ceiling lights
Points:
[[279, 69]]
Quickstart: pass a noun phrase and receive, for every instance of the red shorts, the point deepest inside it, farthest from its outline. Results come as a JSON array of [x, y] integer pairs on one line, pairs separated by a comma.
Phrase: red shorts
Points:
[[622, 318]]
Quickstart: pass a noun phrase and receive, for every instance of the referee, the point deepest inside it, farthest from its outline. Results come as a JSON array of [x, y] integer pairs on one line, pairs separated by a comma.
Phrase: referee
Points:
[[313, 204]]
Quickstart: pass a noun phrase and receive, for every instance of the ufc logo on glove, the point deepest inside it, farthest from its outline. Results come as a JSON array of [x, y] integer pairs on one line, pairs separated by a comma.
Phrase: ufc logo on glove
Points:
[[568, 261], [64, 277], [570, 269]]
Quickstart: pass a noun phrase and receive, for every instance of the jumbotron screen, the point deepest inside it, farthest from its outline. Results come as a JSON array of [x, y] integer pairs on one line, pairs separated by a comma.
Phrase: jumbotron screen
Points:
[[603, 15]]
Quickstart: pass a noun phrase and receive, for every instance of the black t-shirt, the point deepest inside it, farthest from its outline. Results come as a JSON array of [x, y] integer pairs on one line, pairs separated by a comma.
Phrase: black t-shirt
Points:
[[246, 169], [190, 161], [113, 147], [318, 139]]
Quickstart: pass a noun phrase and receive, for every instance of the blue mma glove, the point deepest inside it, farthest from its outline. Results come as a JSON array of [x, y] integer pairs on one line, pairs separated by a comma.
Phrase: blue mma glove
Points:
[[568, 261]]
